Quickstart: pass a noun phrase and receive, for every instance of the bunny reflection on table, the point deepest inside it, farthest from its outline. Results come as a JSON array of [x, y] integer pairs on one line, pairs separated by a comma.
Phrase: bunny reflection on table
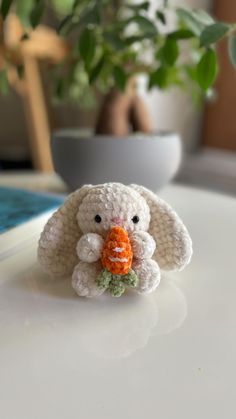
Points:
[[73, 239]]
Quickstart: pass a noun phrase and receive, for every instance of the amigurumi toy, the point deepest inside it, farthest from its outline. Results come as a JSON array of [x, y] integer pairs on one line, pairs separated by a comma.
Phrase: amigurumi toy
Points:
[[112, 236]]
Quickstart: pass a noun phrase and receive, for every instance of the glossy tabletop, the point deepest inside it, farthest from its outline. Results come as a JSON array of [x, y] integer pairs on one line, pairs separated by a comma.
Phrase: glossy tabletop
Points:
[[168, 355]]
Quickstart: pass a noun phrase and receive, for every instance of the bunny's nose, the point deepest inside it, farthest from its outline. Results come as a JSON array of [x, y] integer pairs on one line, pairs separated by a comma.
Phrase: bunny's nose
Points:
[[117, 221]]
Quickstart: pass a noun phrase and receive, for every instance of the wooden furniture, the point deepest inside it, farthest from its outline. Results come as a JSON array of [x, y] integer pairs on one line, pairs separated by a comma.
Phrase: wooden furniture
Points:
[[43, 45], [219, 127]]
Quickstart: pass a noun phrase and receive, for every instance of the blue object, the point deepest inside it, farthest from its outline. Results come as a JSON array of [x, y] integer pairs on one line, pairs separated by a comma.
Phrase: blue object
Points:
[[18, 206]]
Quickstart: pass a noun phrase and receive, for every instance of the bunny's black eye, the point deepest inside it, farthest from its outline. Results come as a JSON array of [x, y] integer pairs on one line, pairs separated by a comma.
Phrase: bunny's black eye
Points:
[[97, 218], [135, 219]]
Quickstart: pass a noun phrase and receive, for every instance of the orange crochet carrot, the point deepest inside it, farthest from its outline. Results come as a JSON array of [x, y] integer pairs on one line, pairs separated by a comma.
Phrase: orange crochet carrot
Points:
[[117, 253]]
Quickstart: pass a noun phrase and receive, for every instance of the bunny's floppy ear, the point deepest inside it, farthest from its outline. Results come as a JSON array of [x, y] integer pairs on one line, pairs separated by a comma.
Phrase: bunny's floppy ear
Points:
[[57, 244], [174, 245]]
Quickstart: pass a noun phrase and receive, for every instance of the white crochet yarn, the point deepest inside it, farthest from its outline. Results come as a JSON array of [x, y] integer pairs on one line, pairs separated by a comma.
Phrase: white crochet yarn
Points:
[[143, 245], [174, 245], [83, 279], [89, 247], [72, 240], [112, 201], [149, 275]]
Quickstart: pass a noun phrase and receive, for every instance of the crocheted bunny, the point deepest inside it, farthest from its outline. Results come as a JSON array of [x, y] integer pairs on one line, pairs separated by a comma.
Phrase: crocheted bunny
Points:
[[111, 236]]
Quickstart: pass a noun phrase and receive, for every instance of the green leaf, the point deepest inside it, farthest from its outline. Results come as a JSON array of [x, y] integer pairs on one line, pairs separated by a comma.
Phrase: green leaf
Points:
[[207, 69], [5, 7], [174, 77], [114, 39], [203, 17], [4, 86], [140, 6], [75, 4], [36, 13], [87, 46], [181, 34], [158, 78], [65, 25], [161, 16], [165, 77], [96, 70], [191, 21], [145, 25], [23, 9], [191, 71], [119, 77], [196, 20], [62, 7], [91, 15], [132, 39], [170, 51], [213, 33], [232, 49]]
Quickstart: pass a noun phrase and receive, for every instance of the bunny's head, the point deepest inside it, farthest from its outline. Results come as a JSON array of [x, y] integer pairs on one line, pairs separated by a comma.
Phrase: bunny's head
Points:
[[95, 209], [105, 206]]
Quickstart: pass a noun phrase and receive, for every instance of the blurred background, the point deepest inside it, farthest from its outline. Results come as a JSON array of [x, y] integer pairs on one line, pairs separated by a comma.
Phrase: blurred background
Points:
[[208, 132]]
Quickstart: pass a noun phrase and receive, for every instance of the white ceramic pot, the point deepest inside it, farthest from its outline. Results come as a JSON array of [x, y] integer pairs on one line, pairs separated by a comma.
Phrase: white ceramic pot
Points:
[[82, 158]]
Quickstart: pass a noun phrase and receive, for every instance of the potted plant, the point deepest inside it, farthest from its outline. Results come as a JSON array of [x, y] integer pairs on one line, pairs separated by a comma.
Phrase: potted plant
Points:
[[110, 43]]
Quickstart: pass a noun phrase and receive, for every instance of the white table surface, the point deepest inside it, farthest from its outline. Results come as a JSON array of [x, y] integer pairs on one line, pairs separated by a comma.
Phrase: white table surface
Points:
[[169, 355]]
